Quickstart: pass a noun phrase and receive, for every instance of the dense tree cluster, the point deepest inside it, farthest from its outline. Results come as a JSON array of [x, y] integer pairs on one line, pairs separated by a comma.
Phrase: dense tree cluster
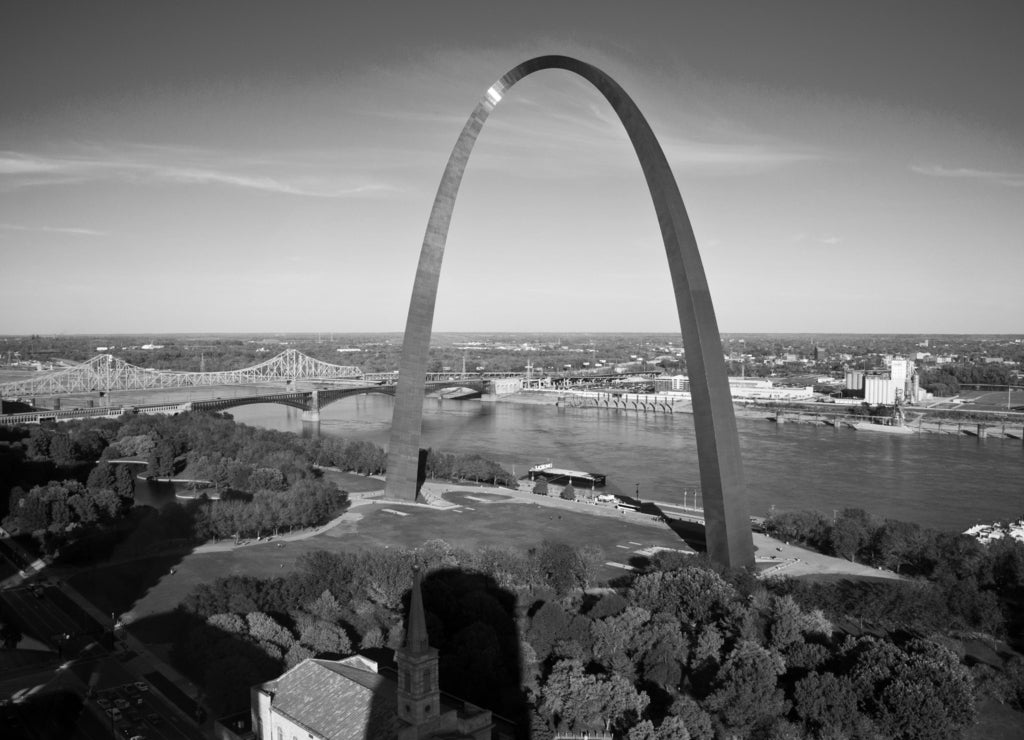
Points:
[[945, 380], [62, 510], [959, 579], [306, 503], [678, 651], [692, 655], [475, 468], [904, 547], [357, 455], [78, 495]]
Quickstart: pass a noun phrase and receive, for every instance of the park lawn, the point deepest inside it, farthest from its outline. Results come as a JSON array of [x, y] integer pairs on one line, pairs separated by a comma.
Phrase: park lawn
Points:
[[508, 525]]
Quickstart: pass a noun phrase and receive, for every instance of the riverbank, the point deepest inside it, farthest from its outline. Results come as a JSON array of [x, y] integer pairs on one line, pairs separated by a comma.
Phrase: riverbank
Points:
[[825, 416]]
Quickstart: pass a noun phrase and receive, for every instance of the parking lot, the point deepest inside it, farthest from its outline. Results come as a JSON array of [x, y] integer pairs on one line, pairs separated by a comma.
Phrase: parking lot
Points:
[[131, 710]]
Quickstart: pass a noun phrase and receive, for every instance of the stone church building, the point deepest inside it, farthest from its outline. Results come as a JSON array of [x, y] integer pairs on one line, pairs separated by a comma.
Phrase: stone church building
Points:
[[351, 700]]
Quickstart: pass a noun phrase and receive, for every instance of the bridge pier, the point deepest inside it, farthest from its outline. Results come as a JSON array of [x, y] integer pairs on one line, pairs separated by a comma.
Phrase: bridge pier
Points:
[[312, 414]]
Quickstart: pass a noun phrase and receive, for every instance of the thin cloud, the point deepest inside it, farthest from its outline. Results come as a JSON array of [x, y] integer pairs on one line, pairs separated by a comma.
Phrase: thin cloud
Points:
[[187, 166], [592, 131], [830, 240], [1008, 179], [70, 230]]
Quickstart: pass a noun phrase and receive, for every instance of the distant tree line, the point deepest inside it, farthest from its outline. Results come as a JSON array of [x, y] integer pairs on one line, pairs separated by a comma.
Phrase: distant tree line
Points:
[[945, 380]]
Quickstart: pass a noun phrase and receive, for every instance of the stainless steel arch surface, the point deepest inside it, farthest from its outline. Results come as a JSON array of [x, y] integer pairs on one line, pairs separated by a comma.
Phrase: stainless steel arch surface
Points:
[[725, 508]]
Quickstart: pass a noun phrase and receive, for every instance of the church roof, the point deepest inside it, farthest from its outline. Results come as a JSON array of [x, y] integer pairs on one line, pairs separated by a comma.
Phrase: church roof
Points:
[[339, 700]]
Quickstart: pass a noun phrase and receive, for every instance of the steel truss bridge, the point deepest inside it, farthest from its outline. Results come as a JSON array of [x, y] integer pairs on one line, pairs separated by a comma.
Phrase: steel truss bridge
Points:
[[108, 373]]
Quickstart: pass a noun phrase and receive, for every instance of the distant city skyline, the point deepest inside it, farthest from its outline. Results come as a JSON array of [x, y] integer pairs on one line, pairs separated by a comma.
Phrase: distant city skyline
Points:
[[263, 168]]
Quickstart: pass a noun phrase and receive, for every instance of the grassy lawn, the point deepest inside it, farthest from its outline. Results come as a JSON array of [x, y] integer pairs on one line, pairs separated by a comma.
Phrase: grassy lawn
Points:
[[475, 524]]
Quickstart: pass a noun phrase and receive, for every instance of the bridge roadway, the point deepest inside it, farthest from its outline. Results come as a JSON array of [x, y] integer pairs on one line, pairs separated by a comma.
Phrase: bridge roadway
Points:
[[309, 402]]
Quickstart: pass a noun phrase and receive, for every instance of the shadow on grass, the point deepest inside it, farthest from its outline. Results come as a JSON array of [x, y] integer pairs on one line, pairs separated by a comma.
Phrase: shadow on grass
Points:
[[116, 588]]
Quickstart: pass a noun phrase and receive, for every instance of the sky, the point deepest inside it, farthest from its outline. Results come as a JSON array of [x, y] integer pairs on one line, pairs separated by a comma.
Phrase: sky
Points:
[[270, 167]]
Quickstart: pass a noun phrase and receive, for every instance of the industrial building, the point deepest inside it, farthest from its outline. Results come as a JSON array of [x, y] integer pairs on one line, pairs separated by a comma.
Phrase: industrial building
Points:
[[897, 382], [745, 389]]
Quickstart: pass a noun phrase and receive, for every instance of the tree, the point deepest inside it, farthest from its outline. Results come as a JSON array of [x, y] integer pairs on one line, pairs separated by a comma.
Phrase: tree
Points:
[[920, 692], [577, 701], [263, 628], [231, 623], [161, 458], [102, 476], [296, 654], [850, 533], [547, 626], [696, 721], [826, 702], [62, 451], [541, 487], [569, 493], [745, 691], [326, 607], [665, 657], [323, 637], [615, 636], [694, 595], [897, 543], [561, 566]]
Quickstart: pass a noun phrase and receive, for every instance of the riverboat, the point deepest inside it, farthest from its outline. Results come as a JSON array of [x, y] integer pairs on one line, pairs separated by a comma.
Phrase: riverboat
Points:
[[562, 476]]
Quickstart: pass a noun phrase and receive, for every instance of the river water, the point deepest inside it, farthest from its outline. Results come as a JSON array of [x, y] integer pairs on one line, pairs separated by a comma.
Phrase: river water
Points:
[[946, 482]]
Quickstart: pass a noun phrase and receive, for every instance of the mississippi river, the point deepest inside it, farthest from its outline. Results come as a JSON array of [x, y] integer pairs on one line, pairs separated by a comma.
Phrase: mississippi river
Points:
[[946, 482]]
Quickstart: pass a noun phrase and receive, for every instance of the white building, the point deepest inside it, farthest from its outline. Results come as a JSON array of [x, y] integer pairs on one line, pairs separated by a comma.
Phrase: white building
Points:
[[748, 389], [899, 371], [879, 389]]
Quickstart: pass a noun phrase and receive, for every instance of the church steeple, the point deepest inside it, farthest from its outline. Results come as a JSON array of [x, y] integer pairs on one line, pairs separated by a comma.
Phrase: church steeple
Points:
[[419, 696]]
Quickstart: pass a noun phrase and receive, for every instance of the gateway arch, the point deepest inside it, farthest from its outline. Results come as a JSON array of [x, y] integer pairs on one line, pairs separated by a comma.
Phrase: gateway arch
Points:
[[728, 531]]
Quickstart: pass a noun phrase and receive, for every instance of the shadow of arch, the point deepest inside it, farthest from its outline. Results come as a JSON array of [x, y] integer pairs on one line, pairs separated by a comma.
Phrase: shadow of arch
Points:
[[728, 524]]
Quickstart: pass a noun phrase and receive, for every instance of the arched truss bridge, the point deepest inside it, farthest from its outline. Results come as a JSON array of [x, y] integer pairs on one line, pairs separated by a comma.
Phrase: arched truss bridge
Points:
[[108, 373]]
